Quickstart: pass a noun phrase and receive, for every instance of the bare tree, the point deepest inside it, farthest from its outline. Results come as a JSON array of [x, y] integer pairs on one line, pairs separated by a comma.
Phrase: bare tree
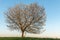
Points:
[[26, 18]]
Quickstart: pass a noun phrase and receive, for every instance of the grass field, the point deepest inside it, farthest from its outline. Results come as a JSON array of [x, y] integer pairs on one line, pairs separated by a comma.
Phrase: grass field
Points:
[[26, 38]]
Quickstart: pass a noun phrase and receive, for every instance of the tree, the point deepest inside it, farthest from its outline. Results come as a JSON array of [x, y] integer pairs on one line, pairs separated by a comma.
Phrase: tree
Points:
[[26, 18]]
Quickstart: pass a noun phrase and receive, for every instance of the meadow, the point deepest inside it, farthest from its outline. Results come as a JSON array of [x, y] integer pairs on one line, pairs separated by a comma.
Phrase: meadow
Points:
[[26, 38]]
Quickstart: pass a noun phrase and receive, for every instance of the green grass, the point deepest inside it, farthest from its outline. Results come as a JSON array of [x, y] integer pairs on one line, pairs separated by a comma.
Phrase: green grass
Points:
[[26, 38]]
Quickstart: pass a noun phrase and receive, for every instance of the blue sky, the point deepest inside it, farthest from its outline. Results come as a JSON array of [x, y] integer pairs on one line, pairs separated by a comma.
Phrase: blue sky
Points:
[[52, 8]]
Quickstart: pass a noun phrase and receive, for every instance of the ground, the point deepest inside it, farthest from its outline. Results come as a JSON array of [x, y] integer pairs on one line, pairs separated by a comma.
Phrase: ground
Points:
[[26, 38]]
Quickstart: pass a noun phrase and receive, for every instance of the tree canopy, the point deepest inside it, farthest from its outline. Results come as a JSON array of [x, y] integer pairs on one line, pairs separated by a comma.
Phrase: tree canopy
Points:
[[27, 18]]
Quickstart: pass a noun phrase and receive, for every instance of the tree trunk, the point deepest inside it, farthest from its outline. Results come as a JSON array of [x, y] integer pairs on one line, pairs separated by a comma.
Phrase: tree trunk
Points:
[[22, 34]]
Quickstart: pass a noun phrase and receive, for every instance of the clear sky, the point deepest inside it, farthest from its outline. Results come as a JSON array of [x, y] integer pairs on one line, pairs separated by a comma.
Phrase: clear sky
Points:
[[52, 8]]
